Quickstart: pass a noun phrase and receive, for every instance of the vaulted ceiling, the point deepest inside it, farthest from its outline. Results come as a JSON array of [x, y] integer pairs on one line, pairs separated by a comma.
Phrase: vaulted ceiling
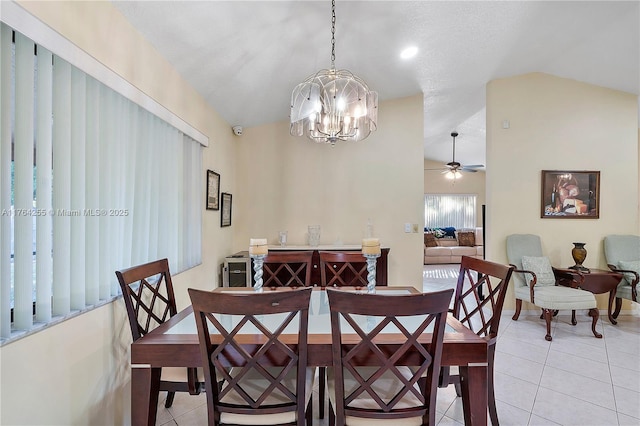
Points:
[[245, 57]]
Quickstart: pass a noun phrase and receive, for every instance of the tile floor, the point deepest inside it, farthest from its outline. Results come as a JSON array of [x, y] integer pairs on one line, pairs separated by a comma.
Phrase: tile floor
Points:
[[575, 379]]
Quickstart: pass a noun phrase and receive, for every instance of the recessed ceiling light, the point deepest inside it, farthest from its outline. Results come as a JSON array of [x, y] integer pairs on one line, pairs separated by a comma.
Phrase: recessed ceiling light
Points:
[[409, 52]]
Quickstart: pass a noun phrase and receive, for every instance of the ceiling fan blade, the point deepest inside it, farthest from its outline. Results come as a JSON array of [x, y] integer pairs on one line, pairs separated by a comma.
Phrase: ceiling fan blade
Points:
[[464, 169], [438, 169], [473, 166]]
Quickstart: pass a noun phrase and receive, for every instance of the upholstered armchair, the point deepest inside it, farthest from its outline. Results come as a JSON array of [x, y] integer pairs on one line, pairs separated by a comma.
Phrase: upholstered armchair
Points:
[[623, 255], [537, 282]]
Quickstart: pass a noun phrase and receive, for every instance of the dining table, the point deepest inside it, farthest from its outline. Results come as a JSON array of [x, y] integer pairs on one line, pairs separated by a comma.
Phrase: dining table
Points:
[[175, 344]]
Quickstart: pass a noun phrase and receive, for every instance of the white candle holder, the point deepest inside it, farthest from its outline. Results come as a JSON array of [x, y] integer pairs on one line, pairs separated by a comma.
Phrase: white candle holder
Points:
[[371, 272], [258, 261]]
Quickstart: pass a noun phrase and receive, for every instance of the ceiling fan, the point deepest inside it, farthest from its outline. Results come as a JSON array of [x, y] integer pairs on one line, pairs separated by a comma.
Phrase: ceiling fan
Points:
[[453, 169]]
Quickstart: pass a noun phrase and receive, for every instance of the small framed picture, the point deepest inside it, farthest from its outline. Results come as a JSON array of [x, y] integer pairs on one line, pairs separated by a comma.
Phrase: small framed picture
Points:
[[225, 217], [570, 194], [213, 190]]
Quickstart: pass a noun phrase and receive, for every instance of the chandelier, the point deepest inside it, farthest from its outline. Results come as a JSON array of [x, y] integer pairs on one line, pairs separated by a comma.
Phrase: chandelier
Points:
[[333, 105]]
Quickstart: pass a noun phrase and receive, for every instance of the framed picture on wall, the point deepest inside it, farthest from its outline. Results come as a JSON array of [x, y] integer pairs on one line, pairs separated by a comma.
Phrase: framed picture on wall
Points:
[[225, 217], [213, 190], [570, 194]]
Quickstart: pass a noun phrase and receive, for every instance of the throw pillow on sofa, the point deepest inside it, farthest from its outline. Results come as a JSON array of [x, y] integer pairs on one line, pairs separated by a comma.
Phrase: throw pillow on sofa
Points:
[[430, 240], [466, 239]]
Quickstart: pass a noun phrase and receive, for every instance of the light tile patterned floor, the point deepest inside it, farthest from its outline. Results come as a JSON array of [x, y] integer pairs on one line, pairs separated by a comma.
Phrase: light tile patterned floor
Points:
[[575, 379]]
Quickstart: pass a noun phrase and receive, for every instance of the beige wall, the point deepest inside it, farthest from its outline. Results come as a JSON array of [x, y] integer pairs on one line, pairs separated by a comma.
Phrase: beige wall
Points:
[[559, 124], [289, 183], [470, 183], [78, 370]]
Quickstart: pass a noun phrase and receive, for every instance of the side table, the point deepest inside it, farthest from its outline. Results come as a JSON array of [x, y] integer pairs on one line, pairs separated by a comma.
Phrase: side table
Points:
[[599, 281]]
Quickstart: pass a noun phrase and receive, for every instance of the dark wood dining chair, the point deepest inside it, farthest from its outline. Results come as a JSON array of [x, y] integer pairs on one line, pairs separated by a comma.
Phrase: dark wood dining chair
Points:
[[480, 315], [266, 382], [394, 387], [287, 269], [148, 295], [340, 269]]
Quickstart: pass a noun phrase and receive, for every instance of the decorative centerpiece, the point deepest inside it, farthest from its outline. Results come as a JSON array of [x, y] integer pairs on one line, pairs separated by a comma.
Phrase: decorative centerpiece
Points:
[[579, 254], [371, 251], [258, 250]]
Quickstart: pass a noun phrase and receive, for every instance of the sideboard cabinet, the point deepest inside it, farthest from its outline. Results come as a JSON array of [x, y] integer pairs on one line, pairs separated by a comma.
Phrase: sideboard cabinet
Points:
[[238, 268]]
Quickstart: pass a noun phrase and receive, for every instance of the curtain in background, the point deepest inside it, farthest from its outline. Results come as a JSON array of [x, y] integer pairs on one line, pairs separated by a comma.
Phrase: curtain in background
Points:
[[90, 182], [456, 210]]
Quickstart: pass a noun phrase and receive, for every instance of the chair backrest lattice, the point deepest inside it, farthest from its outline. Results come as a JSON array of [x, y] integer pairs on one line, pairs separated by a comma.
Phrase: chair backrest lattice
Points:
[[413, 365], [147, 291], [269, 359], [481, 314], [340, 269], [287, 269]]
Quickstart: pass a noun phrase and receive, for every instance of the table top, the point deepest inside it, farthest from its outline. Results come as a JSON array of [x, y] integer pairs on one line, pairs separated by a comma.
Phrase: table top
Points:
[[597, 281], [319, 318], [175, 343]]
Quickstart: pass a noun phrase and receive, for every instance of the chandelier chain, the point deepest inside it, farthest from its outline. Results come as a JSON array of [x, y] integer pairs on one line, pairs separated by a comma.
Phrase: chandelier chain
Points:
[[333, 34]]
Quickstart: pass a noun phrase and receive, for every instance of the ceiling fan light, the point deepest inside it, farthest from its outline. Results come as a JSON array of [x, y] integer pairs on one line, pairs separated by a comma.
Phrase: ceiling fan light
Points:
[[453, 175]]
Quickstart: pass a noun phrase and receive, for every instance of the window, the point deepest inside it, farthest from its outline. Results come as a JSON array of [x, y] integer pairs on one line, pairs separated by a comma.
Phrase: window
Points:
[[456, 210], [90, 182]]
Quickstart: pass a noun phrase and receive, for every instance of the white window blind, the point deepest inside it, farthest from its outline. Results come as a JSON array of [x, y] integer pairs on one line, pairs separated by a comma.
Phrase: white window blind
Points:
[[99, 184], [456, 210]]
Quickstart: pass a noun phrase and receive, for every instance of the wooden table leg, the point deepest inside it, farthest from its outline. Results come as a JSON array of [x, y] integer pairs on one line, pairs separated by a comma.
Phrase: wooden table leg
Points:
[[145, 384], [612, 297], [473, 381]]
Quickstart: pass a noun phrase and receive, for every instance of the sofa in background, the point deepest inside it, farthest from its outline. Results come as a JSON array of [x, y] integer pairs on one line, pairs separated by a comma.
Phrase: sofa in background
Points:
[[467, 242]]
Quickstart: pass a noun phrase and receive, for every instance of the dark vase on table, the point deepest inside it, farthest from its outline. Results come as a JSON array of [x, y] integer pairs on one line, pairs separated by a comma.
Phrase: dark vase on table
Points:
[[579, 254]]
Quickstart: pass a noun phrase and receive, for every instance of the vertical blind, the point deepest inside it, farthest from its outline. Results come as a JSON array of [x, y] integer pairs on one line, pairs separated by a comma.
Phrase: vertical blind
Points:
[[442, 210], [90, 182]]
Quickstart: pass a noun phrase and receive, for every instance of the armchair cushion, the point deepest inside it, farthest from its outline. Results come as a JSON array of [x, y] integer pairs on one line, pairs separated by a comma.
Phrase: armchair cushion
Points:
[[542, 268], [561, 298], [633, 265]]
